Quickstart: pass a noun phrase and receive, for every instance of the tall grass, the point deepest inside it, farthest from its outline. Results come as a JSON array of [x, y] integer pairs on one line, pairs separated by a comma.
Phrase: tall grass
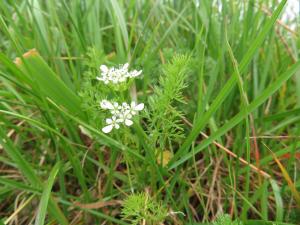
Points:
[[219, 134]]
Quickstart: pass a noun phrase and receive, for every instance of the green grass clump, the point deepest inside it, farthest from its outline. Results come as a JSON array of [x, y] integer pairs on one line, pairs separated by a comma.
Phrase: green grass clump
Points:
[[139, 208], [225, 219], [165, 123], [216, 132]]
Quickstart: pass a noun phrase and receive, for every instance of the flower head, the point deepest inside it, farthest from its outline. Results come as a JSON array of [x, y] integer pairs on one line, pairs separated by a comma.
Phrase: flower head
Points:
[[121, 113], [134, 108], [116, 75], [111, 123]]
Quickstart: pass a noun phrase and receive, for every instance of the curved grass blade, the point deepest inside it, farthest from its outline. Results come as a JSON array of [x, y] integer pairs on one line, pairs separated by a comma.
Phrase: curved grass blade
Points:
[[278, 200], [287, 177], [40, 219], [49, 83]]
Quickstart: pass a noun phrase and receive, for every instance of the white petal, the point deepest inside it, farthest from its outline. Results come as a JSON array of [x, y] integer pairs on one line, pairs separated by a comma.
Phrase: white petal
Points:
[[106, 104], [139, 73], [128, 122], [117, 126], [103, 104], [139, 107], [135, 73], [107, 129], [109, 105], [126, 65], [108, 121], [103, 68]]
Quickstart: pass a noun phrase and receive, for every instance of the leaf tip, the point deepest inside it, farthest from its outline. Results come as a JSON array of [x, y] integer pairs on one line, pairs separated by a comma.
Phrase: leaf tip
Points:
[[31, 52]]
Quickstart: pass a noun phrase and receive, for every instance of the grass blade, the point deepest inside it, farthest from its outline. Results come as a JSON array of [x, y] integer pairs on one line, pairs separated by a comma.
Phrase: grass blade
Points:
[[46, 195], [287, 177], [48, 82], [278, 200]]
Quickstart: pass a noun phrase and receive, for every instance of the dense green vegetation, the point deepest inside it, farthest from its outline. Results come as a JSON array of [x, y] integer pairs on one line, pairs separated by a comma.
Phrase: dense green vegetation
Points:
[[216, 142]]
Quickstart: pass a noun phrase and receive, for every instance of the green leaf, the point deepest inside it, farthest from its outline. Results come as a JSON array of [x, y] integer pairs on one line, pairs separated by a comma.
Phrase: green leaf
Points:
[[46, 195], [47, 83]]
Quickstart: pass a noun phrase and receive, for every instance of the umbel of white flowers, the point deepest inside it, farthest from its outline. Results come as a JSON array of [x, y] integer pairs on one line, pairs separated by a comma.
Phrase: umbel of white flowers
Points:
[[117, 75], [121, 114]]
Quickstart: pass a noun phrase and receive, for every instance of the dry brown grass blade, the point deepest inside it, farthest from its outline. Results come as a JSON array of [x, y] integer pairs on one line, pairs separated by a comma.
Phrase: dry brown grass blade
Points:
[[255, 145], [18, 209], [265, 10], [256, 169], [287, 177]]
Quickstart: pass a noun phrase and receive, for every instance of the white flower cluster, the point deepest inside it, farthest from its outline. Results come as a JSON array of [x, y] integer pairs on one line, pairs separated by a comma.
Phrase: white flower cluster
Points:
[[117, 75], [120, 114]]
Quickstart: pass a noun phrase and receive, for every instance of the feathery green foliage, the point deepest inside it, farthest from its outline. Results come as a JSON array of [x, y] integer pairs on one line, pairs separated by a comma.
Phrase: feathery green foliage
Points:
[[225, 219], [165, 124], [142, 207]]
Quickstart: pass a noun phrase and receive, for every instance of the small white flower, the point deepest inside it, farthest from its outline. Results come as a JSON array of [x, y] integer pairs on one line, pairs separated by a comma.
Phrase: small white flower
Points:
[[104, 68], [104, 104], [134, 108], [122, 113], [126, 117], [125, 106], [128, 122], [115, 110], [135, 73], [125, 67], [111, 123], [117, 75]]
